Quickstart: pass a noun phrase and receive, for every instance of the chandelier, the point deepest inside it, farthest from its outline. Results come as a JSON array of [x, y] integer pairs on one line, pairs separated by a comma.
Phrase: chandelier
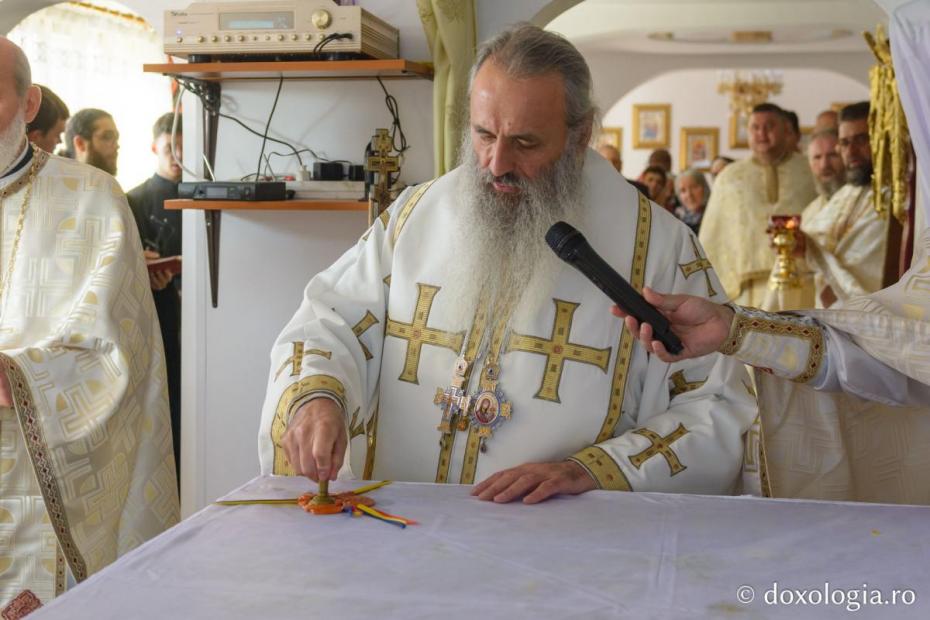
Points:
[[748, 89]]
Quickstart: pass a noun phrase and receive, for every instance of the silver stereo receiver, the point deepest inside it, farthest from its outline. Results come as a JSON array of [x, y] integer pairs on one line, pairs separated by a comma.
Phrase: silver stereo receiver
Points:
[[280, 28]]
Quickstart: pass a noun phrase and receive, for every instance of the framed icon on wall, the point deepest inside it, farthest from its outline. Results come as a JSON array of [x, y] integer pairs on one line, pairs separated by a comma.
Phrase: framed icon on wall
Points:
[[651, 122], [699, 146]]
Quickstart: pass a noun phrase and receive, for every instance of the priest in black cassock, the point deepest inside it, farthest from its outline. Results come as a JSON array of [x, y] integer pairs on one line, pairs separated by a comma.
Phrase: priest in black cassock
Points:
[[160, 231]]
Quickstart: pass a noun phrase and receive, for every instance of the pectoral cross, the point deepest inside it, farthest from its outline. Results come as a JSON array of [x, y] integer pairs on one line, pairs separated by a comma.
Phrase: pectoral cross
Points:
[[558, 350], [700, 263], [453, 401]]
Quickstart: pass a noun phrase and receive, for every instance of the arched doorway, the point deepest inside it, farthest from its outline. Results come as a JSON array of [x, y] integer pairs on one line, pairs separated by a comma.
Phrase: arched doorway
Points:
[[91, 54]]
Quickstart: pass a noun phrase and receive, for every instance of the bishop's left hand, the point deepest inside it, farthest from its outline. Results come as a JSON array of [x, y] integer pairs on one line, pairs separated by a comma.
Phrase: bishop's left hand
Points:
[[535, 482]]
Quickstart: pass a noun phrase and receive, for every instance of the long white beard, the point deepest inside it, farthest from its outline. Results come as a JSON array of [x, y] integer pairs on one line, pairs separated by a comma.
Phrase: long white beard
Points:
[[501, 250], [11, 140]]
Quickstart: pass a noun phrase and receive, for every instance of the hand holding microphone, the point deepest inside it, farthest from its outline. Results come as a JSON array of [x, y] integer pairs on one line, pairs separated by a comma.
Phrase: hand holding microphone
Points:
[[700, 325]]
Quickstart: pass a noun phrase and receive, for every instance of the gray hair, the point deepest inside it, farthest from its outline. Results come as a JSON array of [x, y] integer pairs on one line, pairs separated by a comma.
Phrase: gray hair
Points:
[[22, 74], [823, 133], [525, 50], [698, 176]]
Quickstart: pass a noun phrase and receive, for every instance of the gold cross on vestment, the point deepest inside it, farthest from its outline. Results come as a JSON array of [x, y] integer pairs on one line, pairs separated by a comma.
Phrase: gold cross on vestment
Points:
[[557, 350], [660, 445], [297, 358], [356, 426], [680, 385], [700, 263], [363, 326], [417, 334]]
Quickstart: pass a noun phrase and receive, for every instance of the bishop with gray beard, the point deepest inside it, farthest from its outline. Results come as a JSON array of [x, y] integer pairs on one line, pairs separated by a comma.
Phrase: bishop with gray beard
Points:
[[451, 345], [502, 248]]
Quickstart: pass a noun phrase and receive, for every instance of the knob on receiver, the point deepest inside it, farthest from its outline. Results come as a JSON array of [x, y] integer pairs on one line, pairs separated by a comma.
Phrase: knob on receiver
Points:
[[321, 19]]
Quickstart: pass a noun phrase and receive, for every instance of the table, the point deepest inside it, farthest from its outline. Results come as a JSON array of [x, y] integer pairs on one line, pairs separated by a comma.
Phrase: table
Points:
[[602, 554]]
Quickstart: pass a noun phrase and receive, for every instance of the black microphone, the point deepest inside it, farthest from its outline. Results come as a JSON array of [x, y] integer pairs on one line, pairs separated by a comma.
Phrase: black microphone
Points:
[[571, 246]]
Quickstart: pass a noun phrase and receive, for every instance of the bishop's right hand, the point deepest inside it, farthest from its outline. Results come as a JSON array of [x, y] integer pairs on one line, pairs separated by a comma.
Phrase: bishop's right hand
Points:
[[700, 324], [315, 440]]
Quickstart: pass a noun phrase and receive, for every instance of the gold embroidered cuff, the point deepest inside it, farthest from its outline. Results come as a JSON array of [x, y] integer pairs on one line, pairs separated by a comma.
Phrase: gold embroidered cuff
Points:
[[605, 471], [788, 346], [310, 388], [735, 337]]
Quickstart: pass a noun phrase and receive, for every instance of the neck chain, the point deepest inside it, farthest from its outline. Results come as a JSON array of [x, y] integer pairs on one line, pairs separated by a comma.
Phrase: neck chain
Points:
[[19, 224]]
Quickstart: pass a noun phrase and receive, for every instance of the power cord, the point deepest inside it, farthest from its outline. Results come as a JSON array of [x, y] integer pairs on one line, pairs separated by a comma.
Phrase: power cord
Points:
[[336, 36], [396, 128], [213, 107], [274, 107]]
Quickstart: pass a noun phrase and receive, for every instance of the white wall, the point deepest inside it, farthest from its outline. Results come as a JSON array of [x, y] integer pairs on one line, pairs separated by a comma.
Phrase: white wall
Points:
[[695, 102], [267, 258]]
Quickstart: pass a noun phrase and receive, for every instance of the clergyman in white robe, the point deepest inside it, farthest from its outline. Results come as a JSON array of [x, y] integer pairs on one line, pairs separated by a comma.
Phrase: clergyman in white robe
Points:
[[374, 333], [86, 464]]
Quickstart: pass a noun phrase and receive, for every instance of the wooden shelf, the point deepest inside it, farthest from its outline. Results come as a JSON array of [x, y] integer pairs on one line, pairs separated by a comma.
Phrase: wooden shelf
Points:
[[295, 70], [270, 205]]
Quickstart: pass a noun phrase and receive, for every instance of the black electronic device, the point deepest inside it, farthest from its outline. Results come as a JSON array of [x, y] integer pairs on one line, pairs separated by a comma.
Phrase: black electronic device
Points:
[[571, 246], [328, 171], [232, 190], [356, 173]]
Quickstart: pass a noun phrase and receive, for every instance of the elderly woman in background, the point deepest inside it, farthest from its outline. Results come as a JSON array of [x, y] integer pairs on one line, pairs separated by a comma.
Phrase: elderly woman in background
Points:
[[693, 194]]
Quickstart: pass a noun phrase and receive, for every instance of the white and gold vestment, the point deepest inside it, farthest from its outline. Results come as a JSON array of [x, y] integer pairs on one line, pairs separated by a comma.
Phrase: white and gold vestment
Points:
[[372, 333], [86, 467], [746, 194], [845, 400], [846, 243]]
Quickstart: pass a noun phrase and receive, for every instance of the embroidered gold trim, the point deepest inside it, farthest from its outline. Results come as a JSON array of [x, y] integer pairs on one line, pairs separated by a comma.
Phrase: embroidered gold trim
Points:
[[371, 438], [700, 263], [743, 324], [605, 471], [362, 326], [764, 480], [296, 360], [475, 336], [418, 334], [660, 445], [680, 385], [404, 213], [42, 463], [41, 158], [61, 571], [503, 313], [558, 349], [293, 394], [625, 346], [356, 429]]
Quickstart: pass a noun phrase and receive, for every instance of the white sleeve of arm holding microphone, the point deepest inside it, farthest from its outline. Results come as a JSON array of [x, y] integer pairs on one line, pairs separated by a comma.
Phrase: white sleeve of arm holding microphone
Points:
[[682, 429], [801, 349]]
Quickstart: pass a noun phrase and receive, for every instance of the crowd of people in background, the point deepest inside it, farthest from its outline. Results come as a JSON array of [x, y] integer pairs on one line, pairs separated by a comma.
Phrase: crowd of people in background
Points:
[[687, 194]]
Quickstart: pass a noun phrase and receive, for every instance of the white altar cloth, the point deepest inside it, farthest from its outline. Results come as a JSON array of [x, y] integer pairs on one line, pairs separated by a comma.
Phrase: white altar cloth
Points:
[[599, 555]]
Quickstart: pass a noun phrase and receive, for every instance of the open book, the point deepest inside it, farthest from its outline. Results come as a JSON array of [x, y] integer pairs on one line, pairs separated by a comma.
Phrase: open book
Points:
[[171, 264]]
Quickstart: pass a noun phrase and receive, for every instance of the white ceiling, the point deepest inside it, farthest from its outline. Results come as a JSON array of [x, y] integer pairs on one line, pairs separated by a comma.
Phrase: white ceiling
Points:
[[706, 26]]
